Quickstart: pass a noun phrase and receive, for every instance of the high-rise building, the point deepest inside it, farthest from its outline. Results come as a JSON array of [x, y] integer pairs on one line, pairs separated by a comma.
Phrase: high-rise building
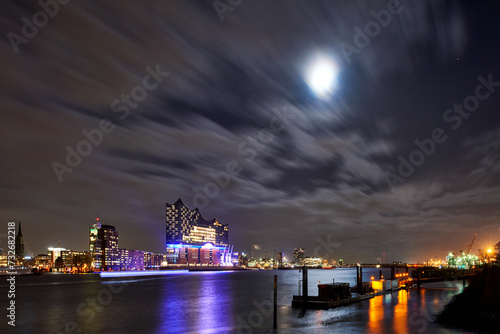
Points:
[[299, 256], [187, 226], [20, 242], [280, 259], [191, 239], [95, 245], [103, 247]]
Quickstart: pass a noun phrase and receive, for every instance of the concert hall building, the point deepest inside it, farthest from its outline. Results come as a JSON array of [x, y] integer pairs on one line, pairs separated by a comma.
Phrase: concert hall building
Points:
[[193, 240]]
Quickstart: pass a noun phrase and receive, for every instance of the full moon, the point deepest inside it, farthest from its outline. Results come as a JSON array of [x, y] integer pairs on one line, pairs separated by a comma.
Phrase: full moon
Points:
[[322, 76]]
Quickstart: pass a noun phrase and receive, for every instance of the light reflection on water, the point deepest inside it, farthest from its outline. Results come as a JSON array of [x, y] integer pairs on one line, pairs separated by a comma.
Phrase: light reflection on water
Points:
[[376, 315], [223, 302], [400, 320], [389, 312]]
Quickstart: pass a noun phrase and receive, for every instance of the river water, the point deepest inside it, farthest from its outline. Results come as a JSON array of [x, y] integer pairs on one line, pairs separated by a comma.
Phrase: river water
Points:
[[213, 302]]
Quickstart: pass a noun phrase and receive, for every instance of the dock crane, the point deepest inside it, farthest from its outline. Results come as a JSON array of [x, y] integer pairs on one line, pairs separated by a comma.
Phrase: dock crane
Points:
[[470, 245]]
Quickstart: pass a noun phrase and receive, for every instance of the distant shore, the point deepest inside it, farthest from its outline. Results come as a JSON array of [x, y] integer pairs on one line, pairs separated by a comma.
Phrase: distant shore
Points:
[[477, 308]]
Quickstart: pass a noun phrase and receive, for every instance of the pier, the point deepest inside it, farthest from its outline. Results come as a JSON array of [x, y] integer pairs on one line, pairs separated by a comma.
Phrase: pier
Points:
[[440, 276], [320, 303], [333, 294]]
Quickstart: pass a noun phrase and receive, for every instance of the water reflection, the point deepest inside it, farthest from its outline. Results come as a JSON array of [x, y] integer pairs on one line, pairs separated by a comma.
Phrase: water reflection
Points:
[[212, 302], [200, 305], [376, 314], [389, 313], [400, 319], [224, 303]]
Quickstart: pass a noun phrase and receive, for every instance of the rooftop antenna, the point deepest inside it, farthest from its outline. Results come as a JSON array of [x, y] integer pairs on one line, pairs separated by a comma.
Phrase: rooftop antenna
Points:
[[98, 220]]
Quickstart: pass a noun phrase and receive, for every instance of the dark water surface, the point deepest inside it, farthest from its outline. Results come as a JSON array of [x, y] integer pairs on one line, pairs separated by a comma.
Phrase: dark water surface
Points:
[[213, 302]]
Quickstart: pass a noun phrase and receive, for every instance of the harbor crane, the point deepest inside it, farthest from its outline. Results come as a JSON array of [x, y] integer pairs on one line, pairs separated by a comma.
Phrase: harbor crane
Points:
[[470, 245]]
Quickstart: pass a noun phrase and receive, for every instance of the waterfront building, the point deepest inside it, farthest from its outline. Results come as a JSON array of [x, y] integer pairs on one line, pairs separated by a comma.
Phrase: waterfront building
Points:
[[193, 240], [313, 261], [42, 261], [243, 260], [95, 245], [62, 259], [299, 256], [153, 260], [462, 261], [53, 254], [19, 242], [188, 226], [103, 247], [131, 259]]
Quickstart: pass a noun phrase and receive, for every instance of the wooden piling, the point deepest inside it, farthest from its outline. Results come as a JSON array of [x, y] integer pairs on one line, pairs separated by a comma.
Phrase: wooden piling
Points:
[[418, 278], [359, 279], [305, 292], [275, 317]]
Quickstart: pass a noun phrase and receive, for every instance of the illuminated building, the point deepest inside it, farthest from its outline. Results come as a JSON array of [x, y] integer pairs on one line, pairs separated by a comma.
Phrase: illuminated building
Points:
[[53, 253], [70, 259], [42, 261], [131, 259], [298, 256], [187, 226], [153, 260], [463, 261], [103, 247], [95, 245], [191, 239], [20, 242], [280, 259], [313, 261]]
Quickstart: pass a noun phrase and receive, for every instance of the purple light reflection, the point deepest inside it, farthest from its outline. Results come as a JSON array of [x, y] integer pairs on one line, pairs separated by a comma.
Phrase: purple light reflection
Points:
[[141, 273]]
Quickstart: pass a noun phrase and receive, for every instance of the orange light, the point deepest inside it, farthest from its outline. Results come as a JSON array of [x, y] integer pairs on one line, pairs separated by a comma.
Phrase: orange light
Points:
[[372, 278]]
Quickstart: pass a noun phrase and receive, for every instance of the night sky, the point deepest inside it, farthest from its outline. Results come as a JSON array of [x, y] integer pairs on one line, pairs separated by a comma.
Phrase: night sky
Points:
[[175, 95]]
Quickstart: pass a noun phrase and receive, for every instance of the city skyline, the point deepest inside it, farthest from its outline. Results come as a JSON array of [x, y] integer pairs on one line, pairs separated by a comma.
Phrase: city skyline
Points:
[[351, 130], [221, 242]]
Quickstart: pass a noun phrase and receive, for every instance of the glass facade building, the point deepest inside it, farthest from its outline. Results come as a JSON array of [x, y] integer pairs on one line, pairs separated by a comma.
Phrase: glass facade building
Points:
[[191, 239], [103, 247], [153, 260], [299, 256], [131, 259]]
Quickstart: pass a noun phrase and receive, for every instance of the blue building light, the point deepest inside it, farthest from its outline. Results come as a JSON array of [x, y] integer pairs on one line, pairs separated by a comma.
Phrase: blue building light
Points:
[[205, 246]]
